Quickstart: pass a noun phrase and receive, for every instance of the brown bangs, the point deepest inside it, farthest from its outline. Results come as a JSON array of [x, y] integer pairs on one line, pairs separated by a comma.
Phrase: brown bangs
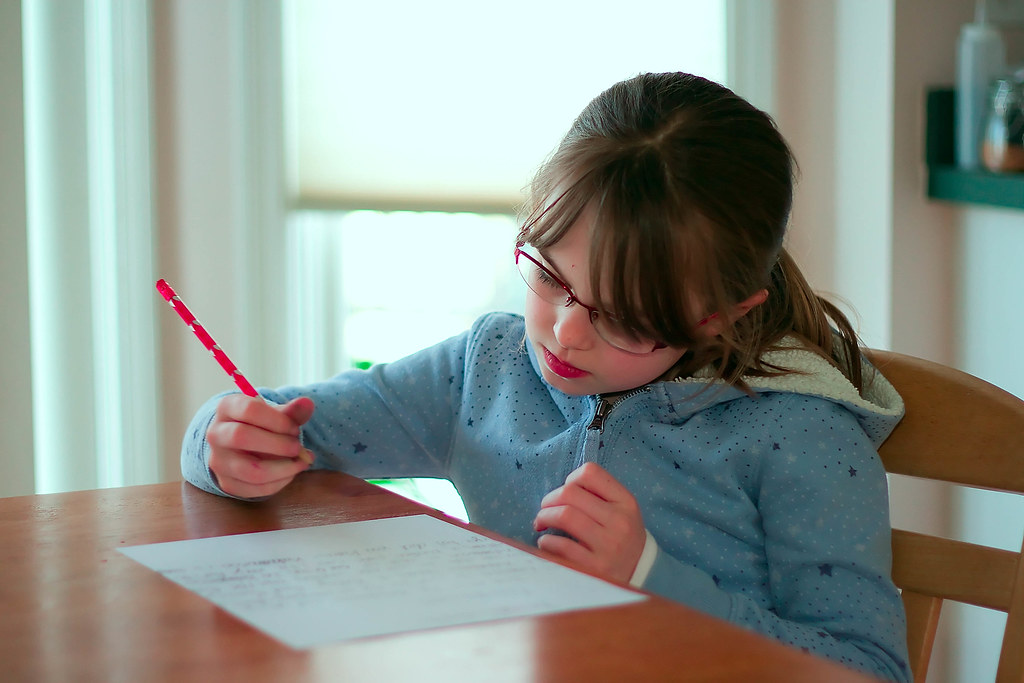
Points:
[[554, 215], [644, 268]]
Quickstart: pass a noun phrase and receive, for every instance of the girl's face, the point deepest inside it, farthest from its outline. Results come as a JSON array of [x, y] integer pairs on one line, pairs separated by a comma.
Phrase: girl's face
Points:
[[572, 355]]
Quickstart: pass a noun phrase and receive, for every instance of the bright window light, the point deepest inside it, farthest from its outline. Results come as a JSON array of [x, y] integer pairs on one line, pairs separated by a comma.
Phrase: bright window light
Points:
[[412, 279], [374, 286], [458, 101]]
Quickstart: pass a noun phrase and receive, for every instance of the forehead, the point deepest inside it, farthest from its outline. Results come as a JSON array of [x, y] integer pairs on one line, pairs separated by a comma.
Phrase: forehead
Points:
[[569, 257], [560, 210]]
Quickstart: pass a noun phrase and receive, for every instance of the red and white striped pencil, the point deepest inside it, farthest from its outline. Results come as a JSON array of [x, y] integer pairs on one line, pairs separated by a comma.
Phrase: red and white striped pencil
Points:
[[168, 293]]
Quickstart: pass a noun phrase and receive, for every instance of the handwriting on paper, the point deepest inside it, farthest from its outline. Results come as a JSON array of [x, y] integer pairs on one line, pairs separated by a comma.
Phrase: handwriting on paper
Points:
[[317, 585]]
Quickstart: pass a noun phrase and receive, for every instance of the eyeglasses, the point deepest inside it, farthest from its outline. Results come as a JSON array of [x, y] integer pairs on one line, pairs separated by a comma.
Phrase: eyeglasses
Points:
[[553, 290]]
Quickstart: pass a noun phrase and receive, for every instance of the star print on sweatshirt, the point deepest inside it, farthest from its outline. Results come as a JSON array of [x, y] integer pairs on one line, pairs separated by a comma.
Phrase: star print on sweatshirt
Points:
[[769, 511]]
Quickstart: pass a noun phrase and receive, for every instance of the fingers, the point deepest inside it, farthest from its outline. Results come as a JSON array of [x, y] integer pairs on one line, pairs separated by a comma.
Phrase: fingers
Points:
[[299, 410], [589, 496], [594, 523], [597, 480], [254, 446], [249, 476], [601, 519], [575, 511], [257, 412], [241, 436], [568, 549]]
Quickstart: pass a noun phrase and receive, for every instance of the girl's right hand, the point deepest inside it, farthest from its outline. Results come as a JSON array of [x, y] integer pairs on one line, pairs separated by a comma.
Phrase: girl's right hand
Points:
[[254, 446]]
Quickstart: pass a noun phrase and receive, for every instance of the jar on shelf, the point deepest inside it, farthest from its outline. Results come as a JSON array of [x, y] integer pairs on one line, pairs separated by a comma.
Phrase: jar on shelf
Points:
[[1003, 147]]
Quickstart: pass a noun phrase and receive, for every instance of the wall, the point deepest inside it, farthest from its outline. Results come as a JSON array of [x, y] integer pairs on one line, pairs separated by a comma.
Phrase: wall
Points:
[[851, 84], [196, 212], [219, 146], [991, 279], [16, 442]]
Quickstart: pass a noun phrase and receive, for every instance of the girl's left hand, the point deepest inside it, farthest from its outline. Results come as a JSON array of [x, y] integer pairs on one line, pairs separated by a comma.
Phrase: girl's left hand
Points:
[[602, 519]]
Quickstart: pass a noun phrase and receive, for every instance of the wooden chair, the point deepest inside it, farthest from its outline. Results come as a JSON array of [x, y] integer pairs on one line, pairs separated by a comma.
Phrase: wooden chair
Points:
[[961, 429]]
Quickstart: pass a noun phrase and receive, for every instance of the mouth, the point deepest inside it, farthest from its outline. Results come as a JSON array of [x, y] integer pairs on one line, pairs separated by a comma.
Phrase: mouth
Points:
[[560, 368]]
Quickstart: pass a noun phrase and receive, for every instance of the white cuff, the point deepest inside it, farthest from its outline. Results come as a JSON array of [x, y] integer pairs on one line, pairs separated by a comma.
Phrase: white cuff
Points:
[[646, 561]]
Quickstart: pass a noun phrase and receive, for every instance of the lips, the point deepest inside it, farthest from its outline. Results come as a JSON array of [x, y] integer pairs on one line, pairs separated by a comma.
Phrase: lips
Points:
[[561, 368]]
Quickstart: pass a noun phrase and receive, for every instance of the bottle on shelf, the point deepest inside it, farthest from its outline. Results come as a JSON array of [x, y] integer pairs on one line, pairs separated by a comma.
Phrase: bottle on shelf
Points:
[[981, 58], [1003, 148]]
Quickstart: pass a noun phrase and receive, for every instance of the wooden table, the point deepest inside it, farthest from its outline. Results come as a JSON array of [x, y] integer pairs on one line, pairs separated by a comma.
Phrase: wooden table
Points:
[[72, 608]]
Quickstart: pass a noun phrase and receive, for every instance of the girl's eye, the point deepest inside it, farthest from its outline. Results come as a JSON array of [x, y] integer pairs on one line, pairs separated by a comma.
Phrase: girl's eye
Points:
[[544, 279]]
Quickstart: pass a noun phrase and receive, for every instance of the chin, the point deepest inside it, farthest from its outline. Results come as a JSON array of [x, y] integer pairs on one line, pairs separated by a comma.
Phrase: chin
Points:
[[572, 387], [571, 390]]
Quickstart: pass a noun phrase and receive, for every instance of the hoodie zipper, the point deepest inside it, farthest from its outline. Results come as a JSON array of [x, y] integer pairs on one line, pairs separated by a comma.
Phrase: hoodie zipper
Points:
[[604, 406], [592, 440]]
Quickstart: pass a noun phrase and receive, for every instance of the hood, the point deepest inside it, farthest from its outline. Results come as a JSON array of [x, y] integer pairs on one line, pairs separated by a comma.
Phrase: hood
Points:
[[879, 409]]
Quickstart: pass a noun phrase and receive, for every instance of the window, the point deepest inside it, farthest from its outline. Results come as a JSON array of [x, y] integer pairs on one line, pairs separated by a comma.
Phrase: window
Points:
[[374, 286], [413, 129], [452, 104]]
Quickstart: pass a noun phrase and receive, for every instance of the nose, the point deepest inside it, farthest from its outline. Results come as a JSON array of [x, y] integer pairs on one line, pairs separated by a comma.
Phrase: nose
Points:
[[573, 329]]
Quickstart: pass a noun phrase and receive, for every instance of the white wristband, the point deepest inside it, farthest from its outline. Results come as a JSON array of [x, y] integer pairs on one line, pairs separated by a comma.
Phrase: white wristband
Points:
[[646, 561]]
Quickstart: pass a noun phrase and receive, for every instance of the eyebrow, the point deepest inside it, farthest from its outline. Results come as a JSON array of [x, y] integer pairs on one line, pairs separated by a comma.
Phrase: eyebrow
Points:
[[551, 266], [554, 269]]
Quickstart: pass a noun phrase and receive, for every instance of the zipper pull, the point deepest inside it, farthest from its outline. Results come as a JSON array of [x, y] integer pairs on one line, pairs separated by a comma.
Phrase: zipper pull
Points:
[[603, 408]]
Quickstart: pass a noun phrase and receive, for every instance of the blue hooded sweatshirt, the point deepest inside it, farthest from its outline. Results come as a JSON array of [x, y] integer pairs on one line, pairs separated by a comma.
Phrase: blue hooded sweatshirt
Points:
[[769, 511]]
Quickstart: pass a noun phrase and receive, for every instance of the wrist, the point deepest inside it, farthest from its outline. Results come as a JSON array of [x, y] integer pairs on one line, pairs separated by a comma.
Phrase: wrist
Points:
[[646, 561]]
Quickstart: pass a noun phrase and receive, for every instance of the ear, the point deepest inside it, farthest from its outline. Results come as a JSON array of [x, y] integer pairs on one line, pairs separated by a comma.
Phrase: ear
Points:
[[755, 299], [714, 322]]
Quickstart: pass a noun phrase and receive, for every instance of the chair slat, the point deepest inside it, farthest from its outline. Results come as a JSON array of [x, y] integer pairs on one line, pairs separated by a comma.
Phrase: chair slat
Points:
[[1011, 657], [922, 622], [970, 429], [965, 572], [959, 429]]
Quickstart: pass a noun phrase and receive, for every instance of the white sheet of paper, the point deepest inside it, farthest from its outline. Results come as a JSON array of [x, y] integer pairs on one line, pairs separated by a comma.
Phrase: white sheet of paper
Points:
[[318, 585]]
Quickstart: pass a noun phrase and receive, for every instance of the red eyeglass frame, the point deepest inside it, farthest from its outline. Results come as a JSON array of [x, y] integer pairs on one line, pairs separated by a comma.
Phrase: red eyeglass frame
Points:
[[571, 297]]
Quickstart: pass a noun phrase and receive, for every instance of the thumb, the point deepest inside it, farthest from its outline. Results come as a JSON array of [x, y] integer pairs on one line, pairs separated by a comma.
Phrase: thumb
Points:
[[299, 409]]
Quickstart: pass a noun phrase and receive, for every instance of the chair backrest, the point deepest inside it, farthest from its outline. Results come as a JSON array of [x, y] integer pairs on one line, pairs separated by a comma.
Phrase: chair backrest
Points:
[[960, 429]]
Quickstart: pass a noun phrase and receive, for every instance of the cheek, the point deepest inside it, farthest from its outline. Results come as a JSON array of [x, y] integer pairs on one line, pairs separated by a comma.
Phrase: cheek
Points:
[[619, 373], [537, 313], [650, 369]]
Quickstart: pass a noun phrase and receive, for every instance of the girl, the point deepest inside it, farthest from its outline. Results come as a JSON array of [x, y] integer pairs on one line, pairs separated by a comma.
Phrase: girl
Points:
[[675, 404]]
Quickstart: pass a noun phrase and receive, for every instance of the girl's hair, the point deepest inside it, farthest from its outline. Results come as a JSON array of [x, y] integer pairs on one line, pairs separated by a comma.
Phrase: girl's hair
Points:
[[689, 188]]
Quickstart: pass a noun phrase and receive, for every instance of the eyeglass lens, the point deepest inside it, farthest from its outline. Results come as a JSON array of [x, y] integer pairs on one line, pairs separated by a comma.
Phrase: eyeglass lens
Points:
[[551, 289]]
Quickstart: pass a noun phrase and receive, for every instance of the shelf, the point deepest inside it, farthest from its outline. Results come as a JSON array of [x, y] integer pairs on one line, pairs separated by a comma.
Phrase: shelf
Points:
[[976, 187], [949, 183]]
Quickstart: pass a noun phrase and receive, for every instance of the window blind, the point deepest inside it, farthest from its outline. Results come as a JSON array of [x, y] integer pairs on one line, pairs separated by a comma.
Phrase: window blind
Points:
[[453, 104]]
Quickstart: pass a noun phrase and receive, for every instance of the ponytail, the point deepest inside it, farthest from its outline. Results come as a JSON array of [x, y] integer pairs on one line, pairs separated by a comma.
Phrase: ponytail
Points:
[[794, 308]]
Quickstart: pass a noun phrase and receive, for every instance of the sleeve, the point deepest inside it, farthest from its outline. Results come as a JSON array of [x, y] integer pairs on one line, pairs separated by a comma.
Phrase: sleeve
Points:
[[393, 420], [823, 500]]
